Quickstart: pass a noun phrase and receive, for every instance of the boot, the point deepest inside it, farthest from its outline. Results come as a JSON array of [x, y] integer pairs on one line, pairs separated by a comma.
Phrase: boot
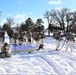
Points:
[[40, 47]]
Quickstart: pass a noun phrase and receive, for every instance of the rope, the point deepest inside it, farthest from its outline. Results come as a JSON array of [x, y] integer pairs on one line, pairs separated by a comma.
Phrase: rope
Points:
[[62, 45]]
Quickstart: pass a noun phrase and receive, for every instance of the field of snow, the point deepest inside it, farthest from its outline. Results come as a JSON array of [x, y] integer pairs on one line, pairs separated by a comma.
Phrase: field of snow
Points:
[[43, 62]]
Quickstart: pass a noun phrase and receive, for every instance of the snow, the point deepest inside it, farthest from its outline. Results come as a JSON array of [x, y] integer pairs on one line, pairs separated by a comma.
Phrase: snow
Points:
[[6, 40], [43, 62]]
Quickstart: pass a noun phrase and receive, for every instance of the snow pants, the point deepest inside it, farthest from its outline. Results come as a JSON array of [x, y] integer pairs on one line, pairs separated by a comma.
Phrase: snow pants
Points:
[[57, 44], [69, 44], [39, 42]]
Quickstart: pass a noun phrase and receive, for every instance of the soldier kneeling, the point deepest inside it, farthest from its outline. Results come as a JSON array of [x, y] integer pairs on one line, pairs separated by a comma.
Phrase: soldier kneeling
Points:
[[39, 42], [5, 51]]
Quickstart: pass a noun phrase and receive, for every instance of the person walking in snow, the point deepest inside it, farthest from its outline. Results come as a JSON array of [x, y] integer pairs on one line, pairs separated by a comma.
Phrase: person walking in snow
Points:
[[5, 51], [40, 41], [69, 41], [57, 36], [38, 36]]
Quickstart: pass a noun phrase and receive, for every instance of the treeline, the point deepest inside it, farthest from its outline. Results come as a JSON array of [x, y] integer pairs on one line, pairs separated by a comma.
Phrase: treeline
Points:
[[63, 19]]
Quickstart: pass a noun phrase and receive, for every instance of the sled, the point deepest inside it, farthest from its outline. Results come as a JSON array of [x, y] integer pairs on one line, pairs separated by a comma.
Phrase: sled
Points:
[[25, 48]]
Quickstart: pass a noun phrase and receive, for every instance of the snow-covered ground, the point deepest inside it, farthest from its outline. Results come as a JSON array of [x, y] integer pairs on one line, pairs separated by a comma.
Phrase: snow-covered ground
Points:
[[43, 62]]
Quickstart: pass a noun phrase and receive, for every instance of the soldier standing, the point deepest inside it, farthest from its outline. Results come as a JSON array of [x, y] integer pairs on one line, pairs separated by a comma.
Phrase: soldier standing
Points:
[[69, 41], [29, 35], [58, 38]]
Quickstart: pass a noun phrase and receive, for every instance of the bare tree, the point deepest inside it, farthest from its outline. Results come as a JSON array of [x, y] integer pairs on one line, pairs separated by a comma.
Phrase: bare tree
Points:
[[10, 21], [59, 17], [7, 25], [72, 22], [47, 16]]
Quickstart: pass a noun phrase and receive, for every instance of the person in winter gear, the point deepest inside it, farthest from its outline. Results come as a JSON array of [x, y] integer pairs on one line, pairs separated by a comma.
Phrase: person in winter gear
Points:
[[5, 51], [40, 41], [29, 37], [16, 36], [69, 41], [38, 37], [58, 38]]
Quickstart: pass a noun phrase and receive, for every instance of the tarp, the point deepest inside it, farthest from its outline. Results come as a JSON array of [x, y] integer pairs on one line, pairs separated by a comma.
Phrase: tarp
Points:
[[20, 48]]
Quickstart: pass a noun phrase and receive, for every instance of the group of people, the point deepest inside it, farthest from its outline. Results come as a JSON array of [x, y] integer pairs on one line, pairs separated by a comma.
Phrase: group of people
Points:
[[69, 39], [38, 37], [29, 38]]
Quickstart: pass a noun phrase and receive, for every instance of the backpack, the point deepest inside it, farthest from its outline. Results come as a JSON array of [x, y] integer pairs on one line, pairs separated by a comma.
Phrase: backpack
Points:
[[70, 37], [57, 36]]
